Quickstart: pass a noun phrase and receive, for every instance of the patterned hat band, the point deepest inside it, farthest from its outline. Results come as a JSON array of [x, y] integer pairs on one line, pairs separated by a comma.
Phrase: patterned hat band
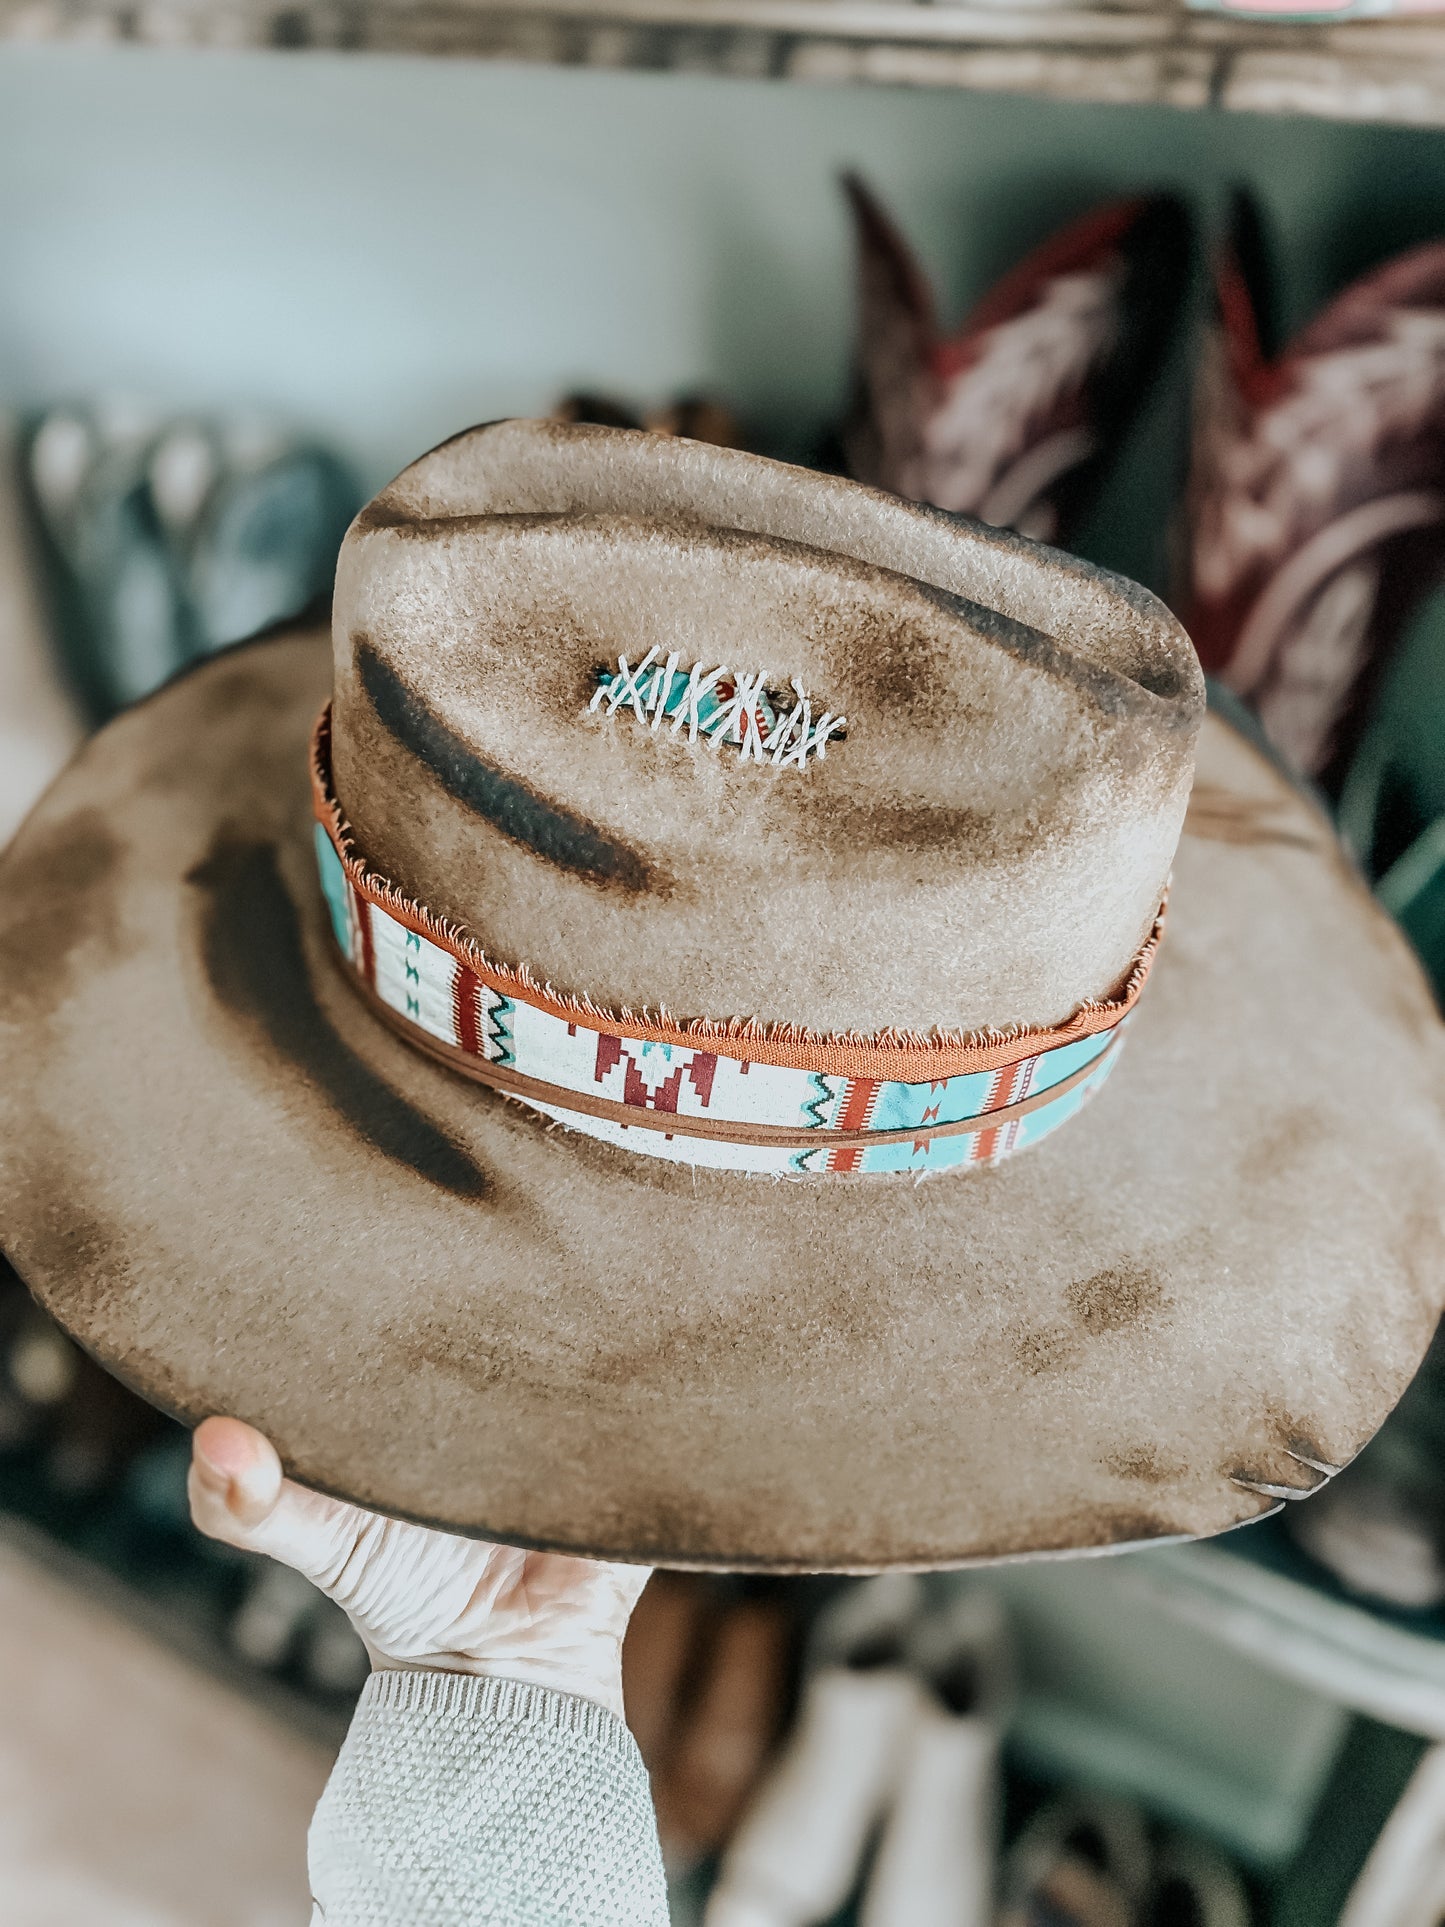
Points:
[[735, 1095]]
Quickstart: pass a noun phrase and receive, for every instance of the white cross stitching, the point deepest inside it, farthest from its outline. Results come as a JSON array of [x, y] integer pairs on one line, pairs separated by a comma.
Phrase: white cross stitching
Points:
[[660, 688], [812, 738], [625, 687], [802, 711], [814, 741], [737, 720], [702, 708], [699, 684]]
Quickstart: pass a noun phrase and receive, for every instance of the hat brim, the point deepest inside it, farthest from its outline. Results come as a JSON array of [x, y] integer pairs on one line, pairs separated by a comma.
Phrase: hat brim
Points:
[[243, 1194]]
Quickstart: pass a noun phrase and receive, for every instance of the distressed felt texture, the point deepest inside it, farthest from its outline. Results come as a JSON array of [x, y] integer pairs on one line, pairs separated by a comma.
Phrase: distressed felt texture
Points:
[[987, 848], [245, 1195]]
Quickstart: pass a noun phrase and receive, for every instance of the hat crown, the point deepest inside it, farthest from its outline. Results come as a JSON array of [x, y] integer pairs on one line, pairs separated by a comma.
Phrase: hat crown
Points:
[[539, 630]]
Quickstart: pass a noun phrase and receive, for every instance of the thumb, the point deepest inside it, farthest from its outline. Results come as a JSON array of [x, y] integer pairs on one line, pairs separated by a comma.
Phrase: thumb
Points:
[[238, 1495]]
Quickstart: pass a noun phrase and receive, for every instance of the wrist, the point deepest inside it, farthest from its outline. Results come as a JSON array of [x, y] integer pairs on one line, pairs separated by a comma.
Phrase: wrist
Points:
[[595, 1677]]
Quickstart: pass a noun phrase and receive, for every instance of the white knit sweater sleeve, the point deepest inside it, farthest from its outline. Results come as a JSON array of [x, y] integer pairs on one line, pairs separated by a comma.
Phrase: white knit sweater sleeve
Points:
[[457, 1801]]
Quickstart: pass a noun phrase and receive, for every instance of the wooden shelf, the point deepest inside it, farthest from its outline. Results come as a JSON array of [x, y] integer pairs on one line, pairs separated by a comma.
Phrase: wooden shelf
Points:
[[1379, 70]]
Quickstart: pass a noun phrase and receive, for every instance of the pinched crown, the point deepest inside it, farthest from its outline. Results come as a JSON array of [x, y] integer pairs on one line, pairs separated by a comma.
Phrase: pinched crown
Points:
[[680, 728]]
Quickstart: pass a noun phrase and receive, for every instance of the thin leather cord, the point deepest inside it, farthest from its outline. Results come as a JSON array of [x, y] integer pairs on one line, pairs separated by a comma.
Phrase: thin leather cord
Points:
[[722, 1130]]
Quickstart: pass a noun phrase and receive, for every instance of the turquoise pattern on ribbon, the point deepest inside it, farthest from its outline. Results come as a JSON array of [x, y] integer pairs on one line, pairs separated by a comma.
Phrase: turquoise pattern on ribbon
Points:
[[334, 889]]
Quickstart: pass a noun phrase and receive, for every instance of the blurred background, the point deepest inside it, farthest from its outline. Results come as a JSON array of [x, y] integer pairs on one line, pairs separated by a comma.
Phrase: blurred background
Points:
[[239, 291]]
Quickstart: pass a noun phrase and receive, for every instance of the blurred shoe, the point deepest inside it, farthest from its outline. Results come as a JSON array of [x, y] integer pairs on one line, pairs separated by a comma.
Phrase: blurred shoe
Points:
[[937, 1861], [1194, 1886], [797, 1854], [1081, 1861], [123, 619], [1313, 526], [169, 540], [1015, 416], [264, 542], [1379, 1527], [601, 411], [1378, 1543], [698, 418], [1068, 1893], [659, 1658], [1402, 1883], [727, 1734]]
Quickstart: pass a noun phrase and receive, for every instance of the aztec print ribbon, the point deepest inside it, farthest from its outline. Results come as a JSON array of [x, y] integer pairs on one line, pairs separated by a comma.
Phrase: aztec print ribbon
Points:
[[733, 1097]]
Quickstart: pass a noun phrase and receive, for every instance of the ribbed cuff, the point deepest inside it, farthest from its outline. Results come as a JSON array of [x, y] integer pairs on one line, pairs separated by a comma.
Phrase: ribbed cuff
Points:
[[475, 1696]]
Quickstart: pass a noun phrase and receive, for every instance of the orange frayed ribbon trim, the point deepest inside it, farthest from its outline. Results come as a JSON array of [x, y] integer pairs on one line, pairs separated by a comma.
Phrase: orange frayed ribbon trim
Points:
[[895, 1056]]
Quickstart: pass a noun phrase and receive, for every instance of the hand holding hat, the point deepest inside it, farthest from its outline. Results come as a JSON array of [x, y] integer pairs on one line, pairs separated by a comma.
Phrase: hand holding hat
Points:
[[418, 1598]]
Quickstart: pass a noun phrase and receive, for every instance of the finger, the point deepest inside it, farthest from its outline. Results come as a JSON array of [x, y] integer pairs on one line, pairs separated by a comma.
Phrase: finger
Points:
[[235, 1478], [238, 1495]]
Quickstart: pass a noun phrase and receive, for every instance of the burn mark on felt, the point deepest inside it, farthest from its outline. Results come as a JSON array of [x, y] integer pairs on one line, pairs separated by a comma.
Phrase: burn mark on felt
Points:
[[1146, 1465], [252, 954], [1104, 1303], [60, 901], [555, 834], [1114, 1300]]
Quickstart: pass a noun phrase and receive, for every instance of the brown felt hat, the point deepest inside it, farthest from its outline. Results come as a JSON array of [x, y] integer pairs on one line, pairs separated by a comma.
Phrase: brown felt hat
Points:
[[674, 1064]]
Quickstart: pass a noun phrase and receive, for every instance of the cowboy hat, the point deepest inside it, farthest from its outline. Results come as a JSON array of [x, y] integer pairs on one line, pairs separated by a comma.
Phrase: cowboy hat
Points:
[[406, 1081]]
